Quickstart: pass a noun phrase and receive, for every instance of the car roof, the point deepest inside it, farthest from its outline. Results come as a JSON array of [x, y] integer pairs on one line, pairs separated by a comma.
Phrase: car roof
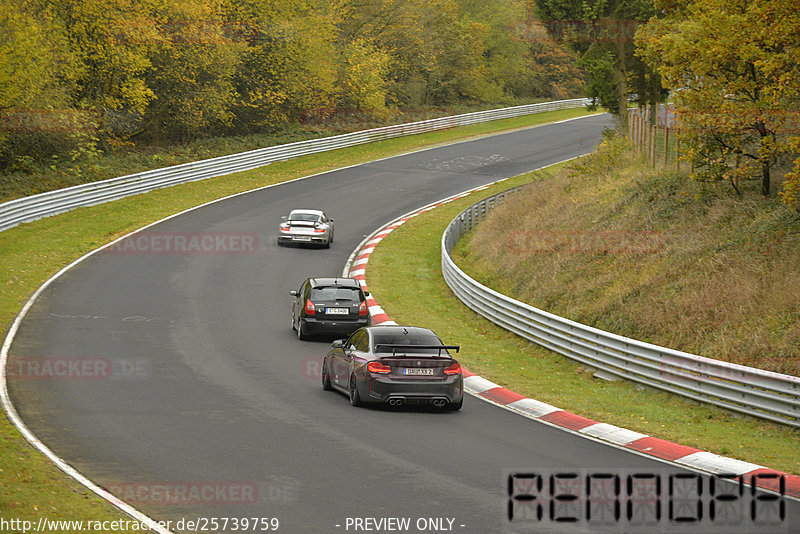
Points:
[[312, 212], [342, 282]]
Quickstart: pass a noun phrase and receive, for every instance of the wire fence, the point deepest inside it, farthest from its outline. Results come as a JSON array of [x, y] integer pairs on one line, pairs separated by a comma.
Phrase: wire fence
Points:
[[654, 132]]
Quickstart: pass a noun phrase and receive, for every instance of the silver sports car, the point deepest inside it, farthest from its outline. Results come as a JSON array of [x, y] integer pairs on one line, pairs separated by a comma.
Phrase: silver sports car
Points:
[[310, 227]]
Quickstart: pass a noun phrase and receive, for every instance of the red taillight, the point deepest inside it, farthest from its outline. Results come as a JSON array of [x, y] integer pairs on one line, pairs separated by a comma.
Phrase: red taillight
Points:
[[362, 309], [285, 227], [319, 230], [310, 309], [378, 367], [454, 369]]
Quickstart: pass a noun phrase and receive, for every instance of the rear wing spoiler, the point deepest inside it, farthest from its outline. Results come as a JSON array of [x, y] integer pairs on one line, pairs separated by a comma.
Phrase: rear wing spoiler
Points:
[[395, 348]]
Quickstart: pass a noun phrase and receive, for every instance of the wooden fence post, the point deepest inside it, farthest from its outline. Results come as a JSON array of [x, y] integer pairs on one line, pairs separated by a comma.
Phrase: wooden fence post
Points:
[[631, 125], [653, 137], [643, 135]]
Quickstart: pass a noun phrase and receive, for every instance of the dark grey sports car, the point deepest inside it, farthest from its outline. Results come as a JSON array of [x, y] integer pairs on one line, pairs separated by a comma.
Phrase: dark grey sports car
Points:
[[394, 365]]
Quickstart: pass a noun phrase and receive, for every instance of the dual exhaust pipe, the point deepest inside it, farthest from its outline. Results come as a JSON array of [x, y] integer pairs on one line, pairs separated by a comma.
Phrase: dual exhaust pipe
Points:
[[396, 402]]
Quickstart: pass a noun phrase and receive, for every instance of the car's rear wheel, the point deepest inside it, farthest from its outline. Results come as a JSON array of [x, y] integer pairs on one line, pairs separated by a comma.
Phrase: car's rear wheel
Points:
[[326, 377], [355, 399], [301, 332], [455, 406]]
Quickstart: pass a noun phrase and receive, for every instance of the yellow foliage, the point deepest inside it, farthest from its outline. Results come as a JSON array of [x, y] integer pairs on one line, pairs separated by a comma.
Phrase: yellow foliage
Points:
[[733, 68]]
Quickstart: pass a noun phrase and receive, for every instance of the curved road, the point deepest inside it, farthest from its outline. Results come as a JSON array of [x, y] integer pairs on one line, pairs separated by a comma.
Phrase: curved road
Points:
[[213, 407]]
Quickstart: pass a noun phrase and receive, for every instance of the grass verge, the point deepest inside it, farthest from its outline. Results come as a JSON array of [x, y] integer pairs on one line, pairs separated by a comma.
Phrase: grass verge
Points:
[[30, 253], [405, 276]]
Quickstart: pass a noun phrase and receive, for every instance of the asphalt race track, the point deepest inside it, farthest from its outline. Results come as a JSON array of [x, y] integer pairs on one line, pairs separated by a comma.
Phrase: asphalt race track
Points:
[[196, 400]]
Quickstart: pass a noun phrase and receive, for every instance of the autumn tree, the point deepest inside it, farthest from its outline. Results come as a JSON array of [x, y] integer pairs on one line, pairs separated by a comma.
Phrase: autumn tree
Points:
[[33, 62], [38, 73], [193, 58], [111, 70], [429, 45], [289, 66], [169, 70], [447, 51], [601, 32], [735, 71], [363, 77], [550, 69], [520, 59]]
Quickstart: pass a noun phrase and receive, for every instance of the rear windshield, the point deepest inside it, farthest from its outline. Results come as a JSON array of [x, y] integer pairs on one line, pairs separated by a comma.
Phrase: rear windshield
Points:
[[335, 293], [310, 217], [413, 339]]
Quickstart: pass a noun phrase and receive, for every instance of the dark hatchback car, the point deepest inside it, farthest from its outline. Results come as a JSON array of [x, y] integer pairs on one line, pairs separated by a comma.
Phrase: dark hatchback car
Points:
[[394, 365], [332, 306]]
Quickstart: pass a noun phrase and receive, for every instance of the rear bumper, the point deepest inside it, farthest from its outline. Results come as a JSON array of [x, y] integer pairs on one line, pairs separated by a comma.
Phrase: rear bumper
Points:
[[386, 390], [325, 326], [306, 239]]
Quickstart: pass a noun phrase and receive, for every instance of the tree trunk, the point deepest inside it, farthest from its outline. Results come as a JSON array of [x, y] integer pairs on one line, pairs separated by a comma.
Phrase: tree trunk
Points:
[[765, 176], [764, 157]]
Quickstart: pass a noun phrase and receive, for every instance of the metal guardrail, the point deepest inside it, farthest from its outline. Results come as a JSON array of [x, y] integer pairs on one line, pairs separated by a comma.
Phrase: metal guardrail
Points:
[[754, 392], [35, 207]]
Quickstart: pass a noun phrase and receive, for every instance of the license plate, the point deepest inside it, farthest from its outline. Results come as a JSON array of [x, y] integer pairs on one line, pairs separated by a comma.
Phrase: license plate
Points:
[[302, 238], [337, 311], [418, 371]]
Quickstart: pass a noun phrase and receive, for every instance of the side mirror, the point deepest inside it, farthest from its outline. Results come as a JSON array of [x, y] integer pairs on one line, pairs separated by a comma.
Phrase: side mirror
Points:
[[284, 217], [293, 293], [366, 293], [338, 344], [332, 220]]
